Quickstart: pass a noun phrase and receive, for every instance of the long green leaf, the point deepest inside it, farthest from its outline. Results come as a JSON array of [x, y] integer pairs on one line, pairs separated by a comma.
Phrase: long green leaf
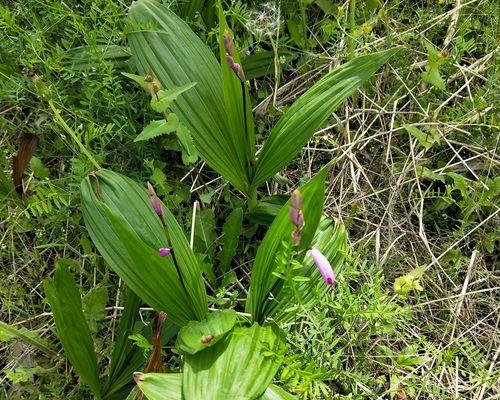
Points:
[[128, 233], [8, 332], [237, 100], [66, 304], [126, 358], [231, 234], [306, 115], [262, 279], [165, 46], [240, 366]]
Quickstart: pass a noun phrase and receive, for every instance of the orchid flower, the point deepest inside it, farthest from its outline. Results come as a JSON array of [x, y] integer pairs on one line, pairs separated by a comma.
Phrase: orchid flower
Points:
[[323, 265]]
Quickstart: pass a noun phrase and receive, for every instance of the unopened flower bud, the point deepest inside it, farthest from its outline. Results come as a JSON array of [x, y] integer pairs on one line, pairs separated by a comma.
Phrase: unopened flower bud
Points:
[[323, 265], [164, 251], [154, 201], [296, 215], [236, 68], [228, 42]]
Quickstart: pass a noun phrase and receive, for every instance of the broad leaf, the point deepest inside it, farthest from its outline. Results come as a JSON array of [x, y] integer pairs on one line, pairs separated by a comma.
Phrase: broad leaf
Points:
[[189, 151], [425, 139], [198, 335], [94, 303], [308, 113], [262, 279], [160, 386], [165, 46], [127, 233], [431, 74], [64, 298], [240, 366], [169, 387]]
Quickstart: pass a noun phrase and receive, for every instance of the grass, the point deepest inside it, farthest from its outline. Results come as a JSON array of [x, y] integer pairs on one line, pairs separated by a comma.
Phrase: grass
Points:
[[409, 198]]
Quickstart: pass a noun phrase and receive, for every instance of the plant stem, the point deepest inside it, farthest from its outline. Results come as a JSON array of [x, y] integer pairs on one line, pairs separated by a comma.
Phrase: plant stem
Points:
[[72, 134], [252, 198], [352, 25]]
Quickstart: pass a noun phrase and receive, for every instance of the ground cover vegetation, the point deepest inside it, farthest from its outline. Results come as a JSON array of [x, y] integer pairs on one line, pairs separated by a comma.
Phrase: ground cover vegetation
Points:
[[310, 186]]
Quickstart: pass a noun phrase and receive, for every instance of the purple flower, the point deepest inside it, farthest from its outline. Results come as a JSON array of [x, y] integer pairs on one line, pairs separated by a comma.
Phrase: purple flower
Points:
[[154, 201], [164, 251], [323, 265]]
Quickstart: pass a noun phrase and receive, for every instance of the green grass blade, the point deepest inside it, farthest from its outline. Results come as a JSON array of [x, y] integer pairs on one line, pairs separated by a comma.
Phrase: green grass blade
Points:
[[262, 279], [64, 298], [306, 115], [8, 332], [165, 46]]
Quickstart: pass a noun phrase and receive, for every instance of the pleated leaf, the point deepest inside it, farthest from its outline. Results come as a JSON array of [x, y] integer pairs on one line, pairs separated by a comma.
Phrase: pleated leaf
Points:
[[169, 387], [65, 302], [160, 386], [198, 335], [240, 366], [127, 233], [262, 279], [310, 111], [166, 47]]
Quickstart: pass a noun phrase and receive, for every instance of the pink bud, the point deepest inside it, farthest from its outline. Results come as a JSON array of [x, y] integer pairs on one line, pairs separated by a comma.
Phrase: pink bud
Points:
[[164, 251], [323, 265], [235, 67], [154, 201]]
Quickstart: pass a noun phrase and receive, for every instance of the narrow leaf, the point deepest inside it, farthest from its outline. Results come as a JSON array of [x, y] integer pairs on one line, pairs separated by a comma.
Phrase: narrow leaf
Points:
[[262, 279], [63, 296], [8, 332], [308, 113], [231, 232]]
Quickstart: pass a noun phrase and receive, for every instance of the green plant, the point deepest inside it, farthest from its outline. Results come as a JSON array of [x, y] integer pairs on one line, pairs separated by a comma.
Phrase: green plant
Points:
[[217, 110]]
